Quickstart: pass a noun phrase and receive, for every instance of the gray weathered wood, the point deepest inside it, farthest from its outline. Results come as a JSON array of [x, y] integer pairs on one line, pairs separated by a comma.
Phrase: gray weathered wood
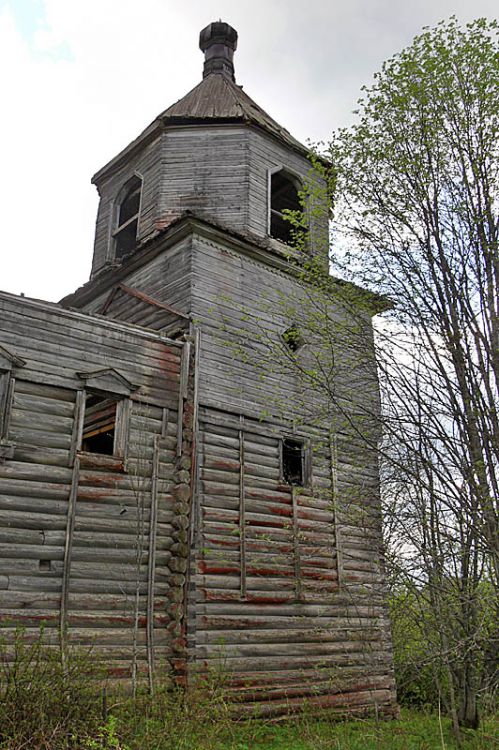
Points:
[[334, 494], [76, 434], [68, 550], [242, 511], [152, 563], [182, 394]]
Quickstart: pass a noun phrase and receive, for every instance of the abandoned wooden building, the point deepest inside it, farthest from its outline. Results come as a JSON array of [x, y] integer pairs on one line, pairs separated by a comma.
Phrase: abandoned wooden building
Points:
[[155, 505]]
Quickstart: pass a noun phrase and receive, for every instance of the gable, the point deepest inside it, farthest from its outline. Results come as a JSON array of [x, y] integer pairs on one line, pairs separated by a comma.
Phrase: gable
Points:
[[108, 380]]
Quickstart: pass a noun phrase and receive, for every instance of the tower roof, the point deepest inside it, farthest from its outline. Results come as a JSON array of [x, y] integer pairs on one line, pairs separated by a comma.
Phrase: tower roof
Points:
[[217, 99]]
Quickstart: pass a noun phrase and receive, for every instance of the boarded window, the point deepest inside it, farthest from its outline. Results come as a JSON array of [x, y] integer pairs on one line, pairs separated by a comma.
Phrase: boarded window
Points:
[[293, 462], [99, 424], [125, 234], [284, 189]]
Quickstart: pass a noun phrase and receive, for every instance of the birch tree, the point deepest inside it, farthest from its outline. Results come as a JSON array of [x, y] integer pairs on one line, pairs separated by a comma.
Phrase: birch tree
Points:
[[416, 192]]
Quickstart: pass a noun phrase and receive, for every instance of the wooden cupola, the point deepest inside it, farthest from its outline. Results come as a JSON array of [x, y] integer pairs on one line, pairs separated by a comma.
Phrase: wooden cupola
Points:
[[214, 154]]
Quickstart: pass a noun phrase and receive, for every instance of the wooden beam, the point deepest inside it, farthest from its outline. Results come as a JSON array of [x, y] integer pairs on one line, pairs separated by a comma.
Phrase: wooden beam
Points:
[[76, 435], [182, 393], [68, 549], [242, 509], [151, 573], [333, 450], [296, 542]]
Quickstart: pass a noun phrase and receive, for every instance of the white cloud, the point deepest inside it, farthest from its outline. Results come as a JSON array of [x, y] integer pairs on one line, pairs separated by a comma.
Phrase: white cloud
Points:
[[95, 73]]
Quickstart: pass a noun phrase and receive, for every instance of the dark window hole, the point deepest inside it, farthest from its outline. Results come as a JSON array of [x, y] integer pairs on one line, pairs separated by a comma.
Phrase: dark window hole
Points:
[[99, 425], [292, 462]]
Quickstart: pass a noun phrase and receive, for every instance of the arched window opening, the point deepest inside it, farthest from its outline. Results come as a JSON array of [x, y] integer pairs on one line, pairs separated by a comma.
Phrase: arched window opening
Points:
[[284, 189], [125, 234]]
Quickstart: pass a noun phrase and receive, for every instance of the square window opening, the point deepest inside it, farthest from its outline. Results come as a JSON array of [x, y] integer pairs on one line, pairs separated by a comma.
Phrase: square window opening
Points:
[[99, 424], [293, 456]]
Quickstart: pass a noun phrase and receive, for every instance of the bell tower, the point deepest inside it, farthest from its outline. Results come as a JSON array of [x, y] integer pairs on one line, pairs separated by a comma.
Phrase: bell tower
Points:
[[284, 580], [215, 154]]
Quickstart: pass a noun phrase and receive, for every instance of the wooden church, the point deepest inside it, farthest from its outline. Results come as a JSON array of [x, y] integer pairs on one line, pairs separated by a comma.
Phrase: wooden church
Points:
[[158, 503]]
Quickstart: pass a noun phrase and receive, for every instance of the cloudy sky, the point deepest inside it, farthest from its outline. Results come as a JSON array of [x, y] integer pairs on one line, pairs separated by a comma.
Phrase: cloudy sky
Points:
[[81, 78]]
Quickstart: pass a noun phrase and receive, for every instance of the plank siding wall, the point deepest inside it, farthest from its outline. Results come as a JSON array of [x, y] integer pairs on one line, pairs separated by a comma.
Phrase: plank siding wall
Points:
[[264, 154], [242, 305], [217, 172], [112, 588], [148, 164], [131, 309], [205, 170], [167, 279]]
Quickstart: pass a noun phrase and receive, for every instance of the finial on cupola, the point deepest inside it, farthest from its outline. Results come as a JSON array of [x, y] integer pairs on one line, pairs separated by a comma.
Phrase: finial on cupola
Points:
[[218, 42]]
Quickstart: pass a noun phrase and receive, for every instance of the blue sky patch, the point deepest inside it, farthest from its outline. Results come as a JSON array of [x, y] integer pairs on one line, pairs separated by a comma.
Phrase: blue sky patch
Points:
[[29, 17]]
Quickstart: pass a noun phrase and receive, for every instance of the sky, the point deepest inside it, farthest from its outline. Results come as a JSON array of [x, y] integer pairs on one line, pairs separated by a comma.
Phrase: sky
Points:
[[80, 80]]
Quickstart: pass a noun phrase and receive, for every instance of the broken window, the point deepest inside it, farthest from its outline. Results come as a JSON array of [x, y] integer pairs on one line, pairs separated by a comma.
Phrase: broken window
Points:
[[99, 424], [284, 189], [125, 234], [293, 462]]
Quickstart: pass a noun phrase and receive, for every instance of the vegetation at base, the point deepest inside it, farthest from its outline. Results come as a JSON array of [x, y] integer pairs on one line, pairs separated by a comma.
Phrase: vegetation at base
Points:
[[44, 700], [204, 725], [422, 681], [50, 704]]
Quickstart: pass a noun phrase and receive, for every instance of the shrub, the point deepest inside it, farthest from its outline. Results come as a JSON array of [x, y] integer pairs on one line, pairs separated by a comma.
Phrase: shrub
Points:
[[45, 703]]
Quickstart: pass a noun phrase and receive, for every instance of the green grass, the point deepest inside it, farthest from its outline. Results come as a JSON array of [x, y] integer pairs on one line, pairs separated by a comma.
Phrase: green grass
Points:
[[414, 731], [45, 705]]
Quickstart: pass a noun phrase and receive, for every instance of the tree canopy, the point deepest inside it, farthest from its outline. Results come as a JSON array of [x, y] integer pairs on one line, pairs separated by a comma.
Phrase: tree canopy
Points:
[[416, 203]]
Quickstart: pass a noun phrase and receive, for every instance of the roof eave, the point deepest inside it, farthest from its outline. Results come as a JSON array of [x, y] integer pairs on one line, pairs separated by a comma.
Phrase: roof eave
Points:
[[185, 225]]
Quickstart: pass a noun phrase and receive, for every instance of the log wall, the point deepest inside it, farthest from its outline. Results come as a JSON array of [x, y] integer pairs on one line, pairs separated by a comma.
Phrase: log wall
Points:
[[289, 595], [90, 544], [289, 599], [286, 594]]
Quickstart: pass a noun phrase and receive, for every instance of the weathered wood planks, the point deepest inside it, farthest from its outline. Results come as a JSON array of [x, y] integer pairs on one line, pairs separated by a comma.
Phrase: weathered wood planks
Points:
[[87, 542]]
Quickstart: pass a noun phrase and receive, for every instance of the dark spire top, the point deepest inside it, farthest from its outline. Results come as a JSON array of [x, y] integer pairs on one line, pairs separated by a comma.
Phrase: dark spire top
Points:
[[218, 42]]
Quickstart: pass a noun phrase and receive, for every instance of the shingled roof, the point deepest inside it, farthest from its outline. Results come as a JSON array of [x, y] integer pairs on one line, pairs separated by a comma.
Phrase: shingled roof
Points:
[[217, 99]]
